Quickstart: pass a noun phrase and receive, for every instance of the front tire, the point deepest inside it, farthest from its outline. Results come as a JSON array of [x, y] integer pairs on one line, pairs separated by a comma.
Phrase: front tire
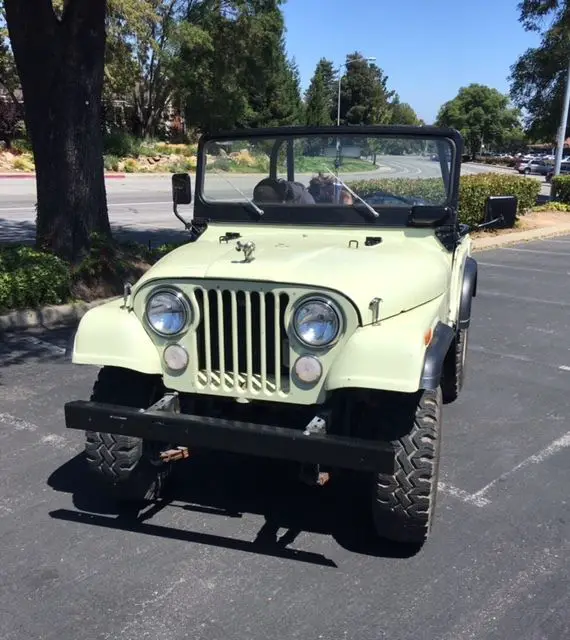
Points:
[[454, 367], [403, 503], [128, 467]]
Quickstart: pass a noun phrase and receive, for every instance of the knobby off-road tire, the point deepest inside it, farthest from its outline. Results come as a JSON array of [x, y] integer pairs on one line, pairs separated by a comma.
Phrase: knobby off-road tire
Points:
[[454, 367], [404, 503], [128, 467]]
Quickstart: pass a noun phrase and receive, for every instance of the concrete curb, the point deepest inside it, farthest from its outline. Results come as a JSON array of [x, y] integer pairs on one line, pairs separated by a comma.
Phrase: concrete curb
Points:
[[482, 244], [48, 317], [69, 314], [31, 176]]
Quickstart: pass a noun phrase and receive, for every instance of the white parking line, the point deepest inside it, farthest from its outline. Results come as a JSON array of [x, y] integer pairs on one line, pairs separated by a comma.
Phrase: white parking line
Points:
[[500, 294], [541, 456], [17, 423], [462, 495], [541, 251], [519, 268]]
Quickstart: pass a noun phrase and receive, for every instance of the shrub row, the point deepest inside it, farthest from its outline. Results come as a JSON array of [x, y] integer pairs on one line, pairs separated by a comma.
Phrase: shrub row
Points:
[[30, 278], [561, 189], [473, 191], [507, 162]]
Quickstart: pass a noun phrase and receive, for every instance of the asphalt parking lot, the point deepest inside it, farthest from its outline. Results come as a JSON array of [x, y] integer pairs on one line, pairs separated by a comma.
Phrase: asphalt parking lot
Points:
[[238, 552]]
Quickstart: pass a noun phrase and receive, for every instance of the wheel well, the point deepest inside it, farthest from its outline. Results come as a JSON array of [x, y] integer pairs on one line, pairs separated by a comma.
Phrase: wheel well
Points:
[[468, 292]]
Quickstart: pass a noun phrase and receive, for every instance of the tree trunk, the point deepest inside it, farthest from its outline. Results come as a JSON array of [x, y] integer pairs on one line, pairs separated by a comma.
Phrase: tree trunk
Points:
[[61, 67]]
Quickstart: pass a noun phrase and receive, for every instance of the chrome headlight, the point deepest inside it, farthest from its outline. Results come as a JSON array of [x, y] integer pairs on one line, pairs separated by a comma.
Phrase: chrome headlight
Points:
[[317, 322], [167, 312]]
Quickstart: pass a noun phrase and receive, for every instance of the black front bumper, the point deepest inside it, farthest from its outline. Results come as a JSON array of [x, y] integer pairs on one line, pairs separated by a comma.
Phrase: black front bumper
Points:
[[229, 435]]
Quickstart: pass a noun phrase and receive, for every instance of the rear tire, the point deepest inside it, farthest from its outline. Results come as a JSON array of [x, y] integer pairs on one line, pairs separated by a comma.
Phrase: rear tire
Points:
[[404, 503], [128, 467]]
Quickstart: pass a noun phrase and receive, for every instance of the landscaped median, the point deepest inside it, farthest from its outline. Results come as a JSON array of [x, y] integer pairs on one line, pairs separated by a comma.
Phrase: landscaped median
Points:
[[39, 289]]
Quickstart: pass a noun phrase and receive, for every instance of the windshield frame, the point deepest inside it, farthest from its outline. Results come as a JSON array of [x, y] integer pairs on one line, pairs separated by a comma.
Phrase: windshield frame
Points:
[[327, 215]]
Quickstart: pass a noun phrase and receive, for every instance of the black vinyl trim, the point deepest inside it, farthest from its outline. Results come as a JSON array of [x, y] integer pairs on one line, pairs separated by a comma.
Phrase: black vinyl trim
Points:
[[468, 292], [324, 215], [229, 435], [435, 356]]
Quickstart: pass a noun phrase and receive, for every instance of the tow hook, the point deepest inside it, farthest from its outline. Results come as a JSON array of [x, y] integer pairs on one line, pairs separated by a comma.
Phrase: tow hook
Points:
[[173, 455], [312, 475]]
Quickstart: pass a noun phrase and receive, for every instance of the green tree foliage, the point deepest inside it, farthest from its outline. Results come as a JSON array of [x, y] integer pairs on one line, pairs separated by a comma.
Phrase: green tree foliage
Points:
[[365, 98], [482, 115], [402, 113], [244, 77], [539, 74], [320, 98]]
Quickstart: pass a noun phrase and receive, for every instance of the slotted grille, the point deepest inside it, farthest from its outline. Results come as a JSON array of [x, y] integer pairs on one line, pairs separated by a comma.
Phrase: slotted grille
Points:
[[241, 341]]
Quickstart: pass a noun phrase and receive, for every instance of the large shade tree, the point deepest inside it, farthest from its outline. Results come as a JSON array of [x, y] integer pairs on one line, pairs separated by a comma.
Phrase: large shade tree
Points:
[[59, 55], [482, 114]]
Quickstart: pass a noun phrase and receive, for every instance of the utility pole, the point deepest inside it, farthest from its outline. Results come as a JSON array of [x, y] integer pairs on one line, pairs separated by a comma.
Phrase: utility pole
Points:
[[562, 129]]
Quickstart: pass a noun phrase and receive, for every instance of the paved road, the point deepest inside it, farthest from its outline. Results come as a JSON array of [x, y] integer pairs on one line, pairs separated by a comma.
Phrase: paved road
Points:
[[208, 565], [145, 202]]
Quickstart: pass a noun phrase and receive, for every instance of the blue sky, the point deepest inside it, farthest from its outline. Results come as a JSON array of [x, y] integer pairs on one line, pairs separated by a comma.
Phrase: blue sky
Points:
[[427, 48]]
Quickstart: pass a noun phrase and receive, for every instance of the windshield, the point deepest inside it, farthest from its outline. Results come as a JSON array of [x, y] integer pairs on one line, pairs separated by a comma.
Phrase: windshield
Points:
[[364, 172]]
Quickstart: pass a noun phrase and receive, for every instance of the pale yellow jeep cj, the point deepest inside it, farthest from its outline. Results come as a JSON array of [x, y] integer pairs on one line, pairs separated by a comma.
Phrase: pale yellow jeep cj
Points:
[[318, 314]]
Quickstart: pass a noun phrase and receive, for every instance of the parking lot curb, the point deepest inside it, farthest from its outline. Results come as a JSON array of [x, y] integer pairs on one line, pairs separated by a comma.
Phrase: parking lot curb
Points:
[[30, 176], [49, 316], [482, 244]]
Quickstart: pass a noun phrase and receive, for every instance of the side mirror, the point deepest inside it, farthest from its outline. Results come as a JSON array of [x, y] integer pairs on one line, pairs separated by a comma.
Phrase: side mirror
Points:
[[500, 212], [181, 189]]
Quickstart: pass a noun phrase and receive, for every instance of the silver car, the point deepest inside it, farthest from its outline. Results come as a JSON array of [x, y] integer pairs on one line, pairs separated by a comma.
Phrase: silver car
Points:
[[540, 167]]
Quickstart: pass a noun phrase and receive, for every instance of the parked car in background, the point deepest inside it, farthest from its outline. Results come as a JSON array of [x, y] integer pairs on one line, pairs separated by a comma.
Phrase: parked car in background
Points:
[[539, 166], [564, 170]]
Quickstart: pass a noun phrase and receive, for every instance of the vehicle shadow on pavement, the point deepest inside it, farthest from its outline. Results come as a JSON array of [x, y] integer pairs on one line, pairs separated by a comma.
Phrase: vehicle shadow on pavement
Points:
[[231, 486], [24, 232], [25, 346]]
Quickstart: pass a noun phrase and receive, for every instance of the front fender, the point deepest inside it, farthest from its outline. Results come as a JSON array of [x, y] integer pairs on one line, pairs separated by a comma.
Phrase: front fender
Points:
[[109, 335], [392, 355]]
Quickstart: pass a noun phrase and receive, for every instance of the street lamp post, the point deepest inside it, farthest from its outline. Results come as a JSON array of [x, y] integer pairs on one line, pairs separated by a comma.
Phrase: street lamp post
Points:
[[562, 130], [344, 64]]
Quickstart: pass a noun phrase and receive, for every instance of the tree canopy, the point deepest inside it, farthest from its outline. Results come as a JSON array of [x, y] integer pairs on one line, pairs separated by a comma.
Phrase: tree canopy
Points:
[[482, 115], [538, 76]]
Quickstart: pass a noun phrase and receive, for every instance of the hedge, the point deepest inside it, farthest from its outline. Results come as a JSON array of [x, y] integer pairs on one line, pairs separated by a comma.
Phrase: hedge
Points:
[[473, 191], [30, 278], [561, 189]]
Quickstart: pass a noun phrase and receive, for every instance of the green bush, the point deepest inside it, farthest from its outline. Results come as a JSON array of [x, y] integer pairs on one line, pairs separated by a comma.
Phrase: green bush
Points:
[[473, 191], [121, 144], [561, 189], [30, 278], [430, 189], [506, 162], [21, 146], [111, 163]]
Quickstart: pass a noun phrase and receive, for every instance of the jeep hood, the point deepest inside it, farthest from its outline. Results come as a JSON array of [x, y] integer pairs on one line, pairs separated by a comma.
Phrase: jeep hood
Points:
[[403, 272]]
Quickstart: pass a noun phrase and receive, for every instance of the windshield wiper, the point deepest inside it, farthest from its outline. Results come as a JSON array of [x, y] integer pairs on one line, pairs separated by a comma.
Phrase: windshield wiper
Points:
[[249, 201], [373, 211]]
